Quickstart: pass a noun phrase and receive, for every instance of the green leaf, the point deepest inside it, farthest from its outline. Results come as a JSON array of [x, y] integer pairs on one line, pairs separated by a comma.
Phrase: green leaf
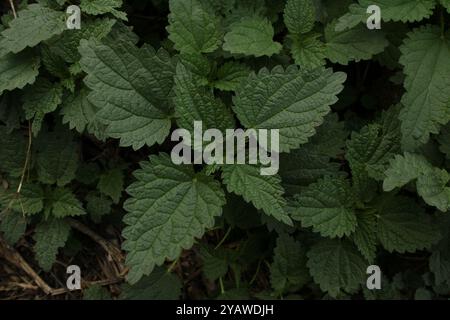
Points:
[[330, 138], [403, 169], [336, 266], [98, 206], [54, 63], [371, 149], [56, 157], [80, 114], [273, 224], [425, 56], [13, 226], [238, 294], [232, 213], [121, 32], [423, 294], [97, 7], [96, 292], [264, 192], [330, 9], [246, 8], [405, 10], [290, 100], [215, 262], [391, 10], [130, 88], [327, 207], [198, 65], [432, 187], [357, 14], [308, 51], [251, 36], [34, 24], [299, 16], [365, 235], [194, 102], [170, 205], [369, 152], [159, 285], [66, 46], [431, 182], [49, 236], [39, 99], [354, 44], [11, 113], [440, 266], [444, 140], [61, 202], [440, 258], [193, 26], [403, 226], [111, 184], [18, 70], [288, 271], [446, 4], [230, 75], [13, 152], [304, 166], [30, 200]]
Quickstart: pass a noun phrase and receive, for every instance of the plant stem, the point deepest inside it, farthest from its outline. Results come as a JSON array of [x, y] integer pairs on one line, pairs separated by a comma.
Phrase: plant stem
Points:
[[174, 263], [222, 289], [11, 3], [257, 271], [224, 238], [27, 159]]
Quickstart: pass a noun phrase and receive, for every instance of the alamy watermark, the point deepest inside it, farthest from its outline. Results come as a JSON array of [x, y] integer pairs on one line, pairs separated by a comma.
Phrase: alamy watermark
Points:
[[74, 280], [237, 146], [73, 21], [374, 280], [374, 20]]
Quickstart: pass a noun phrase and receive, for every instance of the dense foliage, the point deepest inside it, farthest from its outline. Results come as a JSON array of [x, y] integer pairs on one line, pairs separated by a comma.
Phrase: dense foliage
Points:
[[86, 177]]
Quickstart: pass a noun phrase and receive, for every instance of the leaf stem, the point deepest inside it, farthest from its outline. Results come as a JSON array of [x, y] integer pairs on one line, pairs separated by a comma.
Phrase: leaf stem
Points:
[[256, 273], [22, 178], [222, 288], [27, 159], [173, 264], [11, 3], [224, 238]]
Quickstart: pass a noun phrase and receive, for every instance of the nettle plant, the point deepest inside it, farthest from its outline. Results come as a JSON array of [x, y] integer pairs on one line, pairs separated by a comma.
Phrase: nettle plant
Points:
[[86, 119]]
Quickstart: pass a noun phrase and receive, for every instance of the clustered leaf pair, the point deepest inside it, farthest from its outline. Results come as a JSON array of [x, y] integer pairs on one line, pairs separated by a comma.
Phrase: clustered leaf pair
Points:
[[355, 184]]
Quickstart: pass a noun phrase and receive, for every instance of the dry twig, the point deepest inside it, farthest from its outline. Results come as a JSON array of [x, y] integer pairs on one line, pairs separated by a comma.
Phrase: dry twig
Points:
[[15, 258], [114, 253]]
